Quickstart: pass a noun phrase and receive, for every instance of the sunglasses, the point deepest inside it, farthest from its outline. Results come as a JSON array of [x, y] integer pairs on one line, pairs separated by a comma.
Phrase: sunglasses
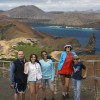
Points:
[[68, 47]]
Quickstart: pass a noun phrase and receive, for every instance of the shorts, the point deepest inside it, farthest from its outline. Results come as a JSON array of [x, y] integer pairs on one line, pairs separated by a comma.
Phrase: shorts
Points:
[[66, 76], [48, 82], [20, 87], [35, 82]]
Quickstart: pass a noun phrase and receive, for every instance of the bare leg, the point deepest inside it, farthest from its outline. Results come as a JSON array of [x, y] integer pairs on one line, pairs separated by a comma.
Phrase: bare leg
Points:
[[16, 96], [52, 92], [67, 84], [63, 84], [32, 91], [44, 92], [37, 91], [23, 96]]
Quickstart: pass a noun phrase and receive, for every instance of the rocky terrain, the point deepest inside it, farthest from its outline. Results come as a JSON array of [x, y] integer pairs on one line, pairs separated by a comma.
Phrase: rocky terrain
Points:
[[11, 29], [7, 46], [13, 33]]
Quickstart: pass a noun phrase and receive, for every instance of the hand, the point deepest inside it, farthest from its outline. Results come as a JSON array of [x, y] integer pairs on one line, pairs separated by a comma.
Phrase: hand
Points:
[[12, 86], [28, 86], [26, 64], [84, 77], [41, 85], [52, 81], [26, 68]]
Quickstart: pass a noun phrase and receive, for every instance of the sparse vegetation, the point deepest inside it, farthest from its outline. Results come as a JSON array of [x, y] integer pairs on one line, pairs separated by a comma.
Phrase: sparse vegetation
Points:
[[28, 49]]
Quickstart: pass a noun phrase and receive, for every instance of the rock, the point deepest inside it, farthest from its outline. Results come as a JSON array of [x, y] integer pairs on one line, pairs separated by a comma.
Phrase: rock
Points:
[[91, 42]]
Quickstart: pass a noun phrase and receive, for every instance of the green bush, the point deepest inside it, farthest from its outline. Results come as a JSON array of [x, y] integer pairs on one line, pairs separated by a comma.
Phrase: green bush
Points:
[[28, 49]]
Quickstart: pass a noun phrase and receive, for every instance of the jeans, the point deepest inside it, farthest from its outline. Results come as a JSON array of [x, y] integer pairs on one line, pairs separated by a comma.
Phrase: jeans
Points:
[[77, 85]]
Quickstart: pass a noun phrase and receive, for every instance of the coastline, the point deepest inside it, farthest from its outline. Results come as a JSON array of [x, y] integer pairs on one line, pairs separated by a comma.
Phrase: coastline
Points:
[[89, 30], [68, 27], [80, 28]]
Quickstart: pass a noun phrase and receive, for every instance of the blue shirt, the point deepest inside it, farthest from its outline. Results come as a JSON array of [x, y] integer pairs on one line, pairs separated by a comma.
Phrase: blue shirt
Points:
[[77, 71], [12, 71], [63, 58], [47, 69]]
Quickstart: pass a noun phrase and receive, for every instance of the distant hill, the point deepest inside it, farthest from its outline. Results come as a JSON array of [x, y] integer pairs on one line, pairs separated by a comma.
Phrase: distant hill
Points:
[[56, 12], [24, 12], [1, 11], [14, 29], [34, 14], [75, 18]]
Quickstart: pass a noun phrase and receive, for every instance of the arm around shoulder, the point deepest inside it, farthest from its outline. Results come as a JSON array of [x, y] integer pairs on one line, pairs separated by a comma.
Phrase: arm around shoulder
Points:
[[26, 67], [85, 73], [53, 71]]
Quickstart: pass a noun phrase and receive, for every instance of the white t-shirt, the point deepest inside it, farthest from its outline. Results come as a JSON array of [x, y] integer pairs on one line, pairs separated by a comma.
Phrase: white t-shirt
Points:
[[33, 71]]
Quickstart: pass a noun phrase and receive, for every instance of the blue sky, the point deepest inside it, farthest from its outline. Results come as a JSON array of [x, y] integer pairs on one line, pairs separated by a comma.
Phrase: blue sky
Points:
[[53, 5]]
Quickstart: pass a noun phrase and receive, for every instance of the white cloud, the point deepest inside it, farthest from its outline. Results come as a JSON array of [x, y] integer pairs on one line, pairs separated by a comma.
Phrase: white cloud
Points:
[[70, 5], [49, 5]]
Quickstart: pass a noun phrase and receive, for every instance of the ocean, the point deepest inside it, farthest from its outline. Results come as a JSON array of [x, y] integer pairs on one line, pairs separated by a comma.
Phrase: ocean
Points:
[[82, 35]]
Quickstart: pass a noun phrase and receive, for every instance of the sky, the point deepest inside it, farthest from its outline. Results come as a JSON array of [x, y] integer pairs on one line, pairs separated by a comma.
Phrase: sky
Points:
[[53, 5]]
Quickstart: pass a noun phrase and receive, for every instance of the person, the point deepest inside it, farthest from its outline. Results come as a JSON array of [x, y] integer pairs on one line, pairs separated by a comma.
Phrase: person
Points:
[[65, 69], [17, 77], [47, 74], [78, 67], [33, 70]]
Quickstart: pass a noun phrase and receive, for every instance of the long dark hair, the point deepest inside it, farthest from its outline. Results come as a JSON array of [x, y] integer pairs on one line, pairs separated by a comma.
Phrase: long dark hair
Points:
[[35, 57]]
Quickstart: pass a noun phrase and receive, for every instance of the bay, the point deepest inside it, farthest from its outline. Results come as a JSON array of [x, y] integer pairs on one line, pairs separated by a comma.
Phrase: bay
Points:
[[82, 35]]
